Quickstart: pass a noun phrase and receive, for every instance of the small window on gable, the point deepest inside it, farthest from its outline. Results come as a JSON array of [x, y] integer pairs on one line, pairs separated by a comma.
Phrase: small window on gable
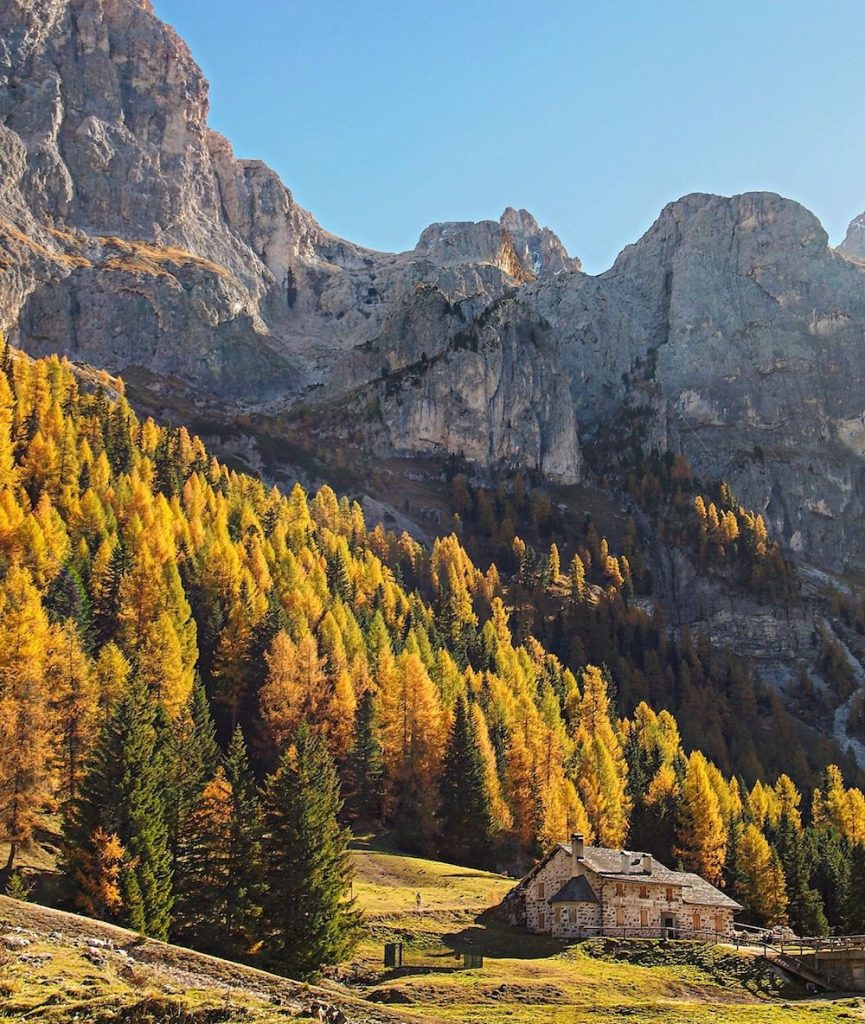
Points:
[[644, 892], [669, 894], [542, 891], [620, 888]]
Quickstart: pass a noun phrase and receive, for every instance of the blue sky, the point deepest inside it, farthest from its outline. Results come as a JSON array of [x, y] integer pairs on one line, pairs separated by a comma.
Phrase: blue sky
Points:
[[385, 115]]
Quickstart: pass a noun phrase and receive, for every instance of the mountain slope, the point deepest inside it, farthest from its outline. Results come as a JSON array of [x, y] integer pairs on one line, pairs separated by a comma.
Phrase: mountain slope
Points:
[[132, 238]]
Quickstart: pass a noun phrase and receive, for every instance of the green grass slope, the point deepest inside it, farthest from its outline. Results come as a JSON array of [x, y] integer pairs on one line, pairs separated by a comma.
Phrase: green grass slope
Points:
[[74, 969], [530, 979]]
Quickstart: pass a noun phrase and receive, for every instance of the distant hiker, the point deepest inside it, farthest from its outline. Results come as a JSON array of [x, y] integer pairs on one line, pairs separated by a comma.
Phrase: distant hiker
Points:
[[418, 899]]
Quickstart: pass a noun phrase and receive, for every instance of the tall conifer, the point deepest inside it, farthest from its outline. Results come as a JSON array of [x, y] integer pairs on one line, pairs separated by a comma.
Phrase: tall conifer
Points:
[[365, 763], [121, 795], [309, 921], [466, 817]]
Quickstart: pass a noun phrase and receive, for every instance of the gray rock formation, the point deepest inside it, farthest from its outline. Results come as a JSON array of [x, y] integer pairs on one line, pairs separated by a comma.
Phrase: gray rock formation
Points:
[[132, 238], [854, 241], [743, 334]]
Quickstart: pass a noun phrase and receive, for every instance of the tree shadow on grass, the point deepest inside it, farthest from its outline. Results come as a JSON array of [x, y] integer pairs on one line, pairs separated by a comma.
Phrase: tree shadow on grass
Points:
[[489, 936]]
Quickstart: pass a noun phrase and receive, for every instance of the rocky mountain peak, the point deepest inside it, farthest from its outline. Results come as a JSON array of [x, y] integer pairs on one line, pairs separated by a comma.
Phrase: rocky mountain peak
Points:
[[515, 243], [854, 241], [132, 238]]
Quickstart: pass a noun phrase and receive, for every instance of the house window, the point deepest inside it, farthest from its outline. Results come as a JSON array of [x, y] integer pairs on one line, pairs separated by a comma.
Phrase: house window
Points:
[[698, 923], [542, 891], [620, 889], [542, 922], [669, 895], [620, 916], [572, 914], [644, 918], [644, 892], [719, 923], [561, 915]]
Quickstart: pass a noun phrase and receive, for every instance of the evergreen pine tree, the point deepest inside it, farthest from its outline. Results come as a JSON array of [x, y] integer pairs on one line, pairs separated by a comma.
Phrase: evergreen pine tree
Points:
[[804, 904], [364, 772], [246, 887], [310, 923], [121, 795], [191, 759], [466, 818], [831, 875], [205, 863], [855, 916]]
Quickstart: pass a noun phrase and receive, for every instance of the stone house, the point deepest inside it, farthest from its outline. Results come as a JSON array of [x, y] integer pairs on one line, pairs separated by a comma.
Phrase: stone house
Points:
[[577, 891]]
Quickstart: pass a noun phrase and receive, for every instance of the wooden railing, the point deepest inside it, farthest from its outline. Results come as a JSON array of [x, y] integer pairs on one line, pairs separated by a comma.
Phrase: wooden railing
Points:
[[801, 955]]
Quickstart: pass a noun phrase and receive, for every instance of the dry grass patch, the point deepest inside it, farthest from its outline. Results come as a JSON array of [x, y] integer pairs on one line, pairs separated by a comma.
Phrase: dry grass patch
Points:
[[131, 265], [64, 259], [150, 254]]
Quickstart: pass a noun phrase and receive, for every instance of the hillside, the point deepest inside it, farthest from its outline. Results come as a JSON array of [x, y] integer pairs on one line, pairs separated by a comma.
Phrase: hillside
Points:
[[74, 966], [60, 967], [168, 626], [133, 239]]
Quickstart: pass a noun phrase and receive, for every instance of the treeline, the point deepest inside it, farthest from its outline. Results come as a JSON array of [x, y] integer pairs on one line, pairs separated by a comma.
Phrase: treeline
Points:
[[185, 652]]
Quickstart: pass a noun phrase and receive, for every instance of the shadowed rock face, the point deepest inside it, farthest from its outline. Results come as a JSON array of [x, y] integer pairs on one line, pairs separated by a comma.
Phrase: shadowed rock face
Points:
[[131, 236]]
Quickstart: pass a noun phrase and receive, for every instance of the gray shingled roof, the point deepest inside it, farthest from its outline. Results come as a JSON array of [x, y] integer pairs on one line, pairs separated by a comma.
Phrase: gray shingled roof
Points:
[[627, 866], [575, 890], [698, 890]]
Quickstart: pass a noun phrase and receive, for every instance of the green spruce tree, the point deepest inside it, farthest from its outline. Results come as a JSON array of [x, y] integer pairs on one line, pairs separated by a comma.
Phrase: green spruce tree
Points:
[[804, 904], [466, 818], [309, 923], [855, 916], [122, 795], [831, 875], [246, 886], [364, 770], [191, 758]]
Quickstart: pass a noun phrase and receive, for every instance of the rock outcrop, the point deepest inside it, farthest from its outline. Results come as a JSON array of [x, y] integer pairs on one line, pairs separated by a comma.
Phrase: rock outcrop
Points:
[[736, 328]]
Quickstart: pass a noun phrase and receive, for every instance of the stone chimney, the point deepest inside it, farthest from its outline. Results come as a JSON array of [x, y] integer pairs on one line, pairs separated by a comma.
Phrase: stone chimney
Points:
[[625, 863], [578, 849], [647, 863]]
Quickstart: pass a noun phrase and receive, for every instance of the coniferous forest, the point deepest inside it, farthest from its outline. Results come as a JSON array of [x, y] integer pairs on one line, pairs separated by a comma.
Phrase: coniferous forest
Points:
[[209, 683]]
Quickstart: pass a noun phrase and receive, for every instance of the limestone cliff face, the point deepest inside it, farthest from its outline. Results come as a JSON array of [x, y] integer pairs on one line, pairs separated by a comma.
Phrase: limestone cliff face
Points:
[[131, 237], [515, 244], [741, 331], [854, 241]]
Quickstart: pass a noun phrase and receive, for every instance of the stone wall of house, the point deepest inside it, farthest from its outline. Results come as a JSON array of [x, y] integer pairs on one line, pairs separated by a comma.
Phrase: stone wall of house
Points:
[[576, 920], [545, 884], [626, 911], [702, 922]]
